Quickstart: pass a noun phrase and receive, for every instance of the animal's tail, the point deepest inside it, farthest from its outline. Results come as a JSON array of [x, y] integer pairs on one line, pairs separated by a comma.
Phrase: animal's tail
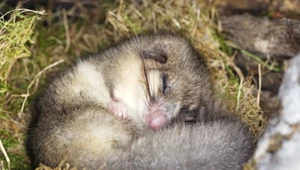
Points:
[[221, 144], [93, 140]]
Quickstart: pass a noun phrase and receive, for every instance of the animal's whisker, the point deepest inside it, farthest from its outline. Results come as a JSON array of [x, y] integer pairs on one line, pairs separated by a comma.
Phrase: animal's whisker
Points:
[[77, 111]]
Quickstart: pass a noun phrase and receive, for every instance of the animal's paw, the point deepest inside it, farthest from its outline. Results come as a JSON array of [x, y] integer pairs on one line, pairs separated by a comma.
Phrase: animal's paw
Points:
[[118, 108]]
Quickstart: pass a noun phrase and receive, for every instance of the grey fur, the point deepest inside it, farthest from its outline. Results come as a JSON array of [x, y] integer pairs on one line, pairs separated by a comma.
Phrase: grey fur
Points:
[[222, 144], [72, 123]]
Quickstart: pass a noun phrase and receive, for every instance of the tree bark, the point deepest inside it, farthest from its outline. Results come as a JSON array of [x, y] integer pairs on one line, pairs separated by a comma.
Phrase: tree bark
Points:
[[288, 8], [264, 37]]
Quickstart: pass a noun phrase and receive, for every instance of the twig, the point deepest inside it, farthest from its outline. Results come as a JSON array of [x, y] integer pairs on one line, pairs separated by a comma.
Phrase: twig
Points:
[[259, 85], [66, 25], [35, 81], [22, 11], [230, 62], [5, 154], [239, 93], [256, 58], [120, 9]]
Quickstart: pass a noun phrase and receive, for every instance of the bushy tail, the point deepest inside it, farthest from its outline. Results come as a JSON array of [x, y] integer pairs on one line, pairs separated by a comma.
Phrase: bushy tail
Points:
[[216, 145], [88, 139]]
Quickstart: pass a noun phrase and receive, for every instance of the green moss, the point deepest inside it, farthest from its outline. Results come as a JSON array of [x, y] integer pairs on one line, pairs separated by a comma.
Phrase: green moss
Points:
[[14, 34], [7, 139], [16, 29], [18, 160]]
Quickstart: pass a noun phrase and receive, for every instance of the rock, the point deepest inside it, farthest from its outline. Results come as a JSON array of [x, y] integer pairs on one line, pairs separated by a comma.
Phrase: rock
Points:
[[279, 146]]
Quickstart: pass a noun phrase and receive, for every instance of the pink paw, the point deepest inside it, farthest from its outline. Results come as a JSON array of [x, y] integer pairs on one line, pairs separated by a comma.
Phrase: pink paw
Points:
[[118, 108]]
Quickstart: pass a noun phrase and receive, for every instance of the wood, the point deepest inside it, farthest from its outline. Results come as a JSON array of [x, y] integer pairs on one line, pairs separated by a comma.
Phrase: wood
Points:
[[229, 7], [286, 8], [259, 35]]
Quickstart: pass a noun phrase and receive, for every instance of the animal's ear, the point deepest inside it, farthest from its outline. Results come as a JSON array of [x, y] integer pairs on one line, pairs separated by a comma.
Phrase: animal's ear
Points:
[[157, 55]]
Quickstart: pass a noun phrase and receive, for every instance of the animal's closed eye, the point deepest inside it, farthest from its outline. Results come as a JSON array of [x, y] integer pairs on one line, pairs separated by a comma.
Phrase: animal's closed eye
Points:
[[166, 89], [158, 56]]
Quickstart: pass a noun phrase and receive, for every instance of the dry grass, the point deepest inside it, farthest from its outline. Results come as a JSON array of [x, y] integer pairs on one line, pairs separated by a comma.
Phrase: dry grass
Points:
[[16, 29], [66, 39]]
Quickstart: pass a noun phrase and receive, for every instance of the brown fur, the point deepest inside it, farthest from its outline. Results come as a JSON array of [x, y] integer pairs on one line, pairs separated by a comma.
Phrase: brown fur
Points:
[[74, 125]]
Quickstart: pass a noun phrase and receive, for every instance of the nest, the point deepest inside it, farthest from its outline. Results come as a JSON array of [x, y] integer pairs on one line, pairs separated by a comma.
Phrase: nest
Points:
[[62, 36]]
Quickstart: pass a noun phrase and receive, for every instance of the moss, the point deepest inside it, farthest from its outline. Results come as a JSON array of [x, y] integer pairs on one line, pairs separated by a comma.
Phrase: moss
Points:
[[16, 30], [14, 34]]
